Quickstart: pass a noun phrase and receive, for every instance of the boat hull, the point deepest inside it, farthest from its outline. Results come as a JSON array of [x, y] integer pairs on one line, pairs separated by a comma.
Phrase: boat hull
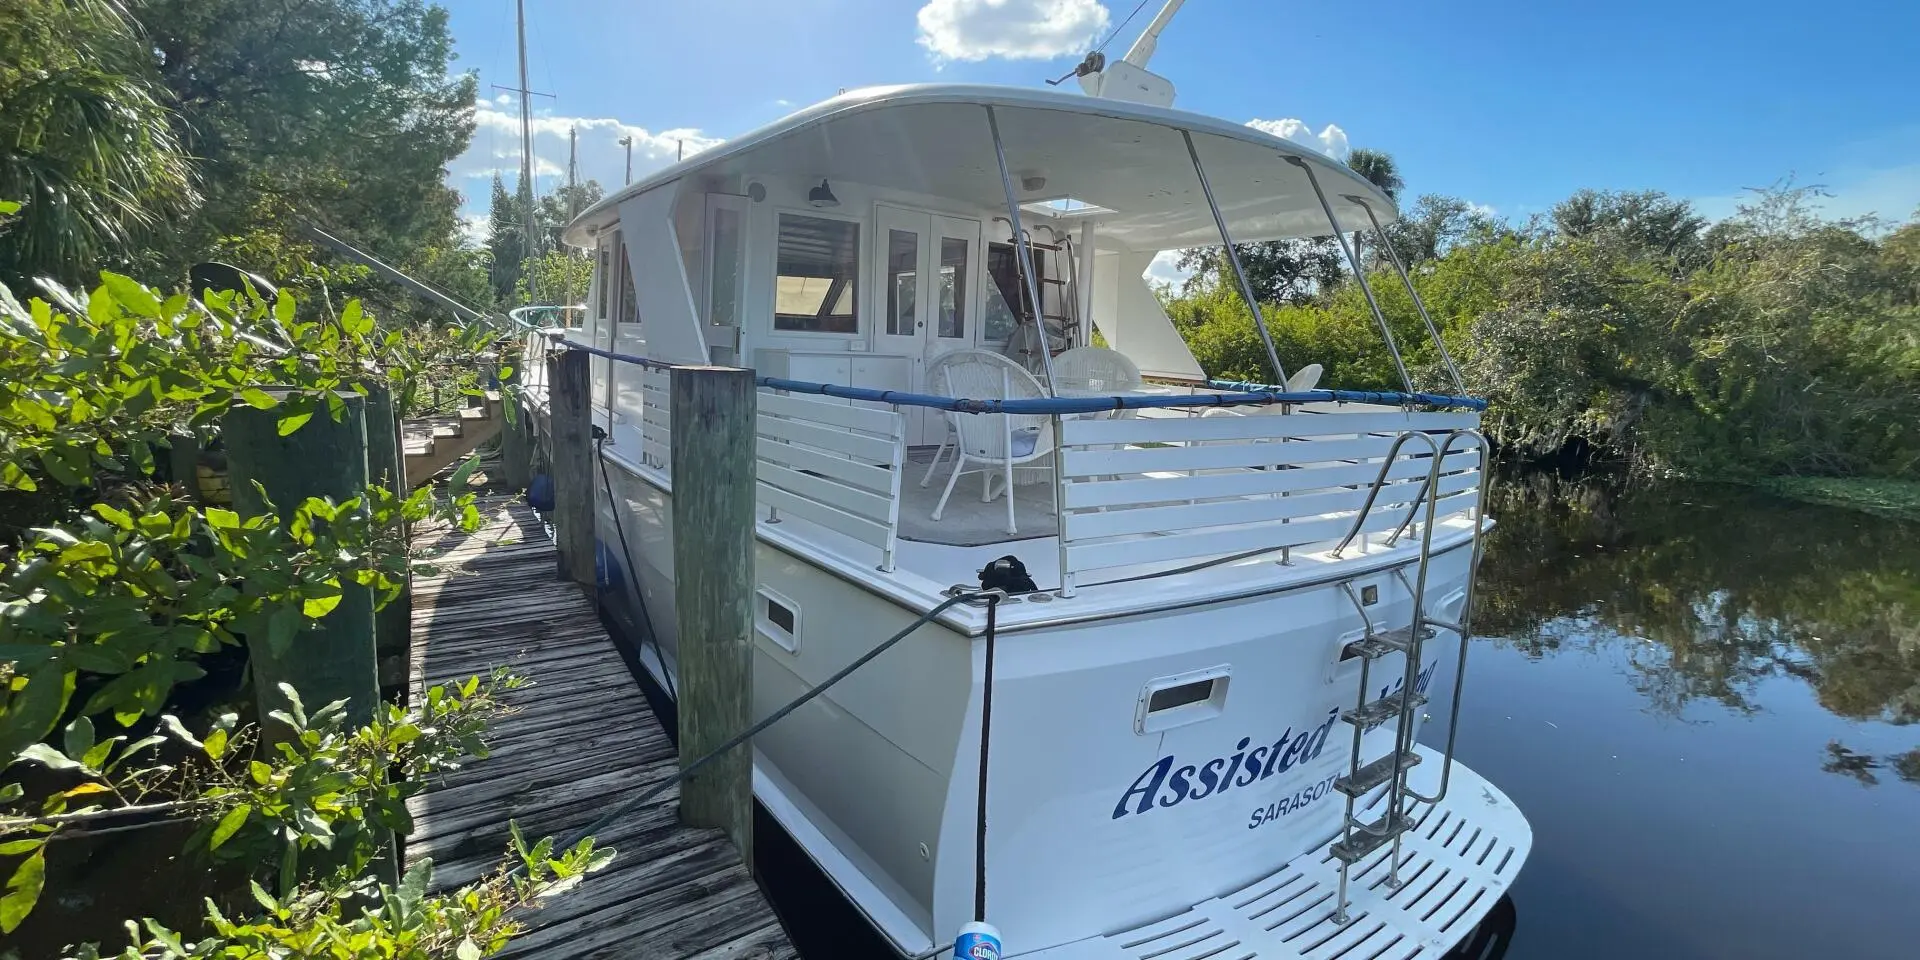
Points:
[[1097, 822]]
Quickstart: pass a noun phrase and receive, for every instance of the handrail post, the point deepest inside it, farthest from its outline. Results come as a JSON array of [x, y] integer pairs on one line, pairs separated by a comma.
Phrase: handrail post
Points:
[[1233, 260], [1359, 273], [1393, 257], [713, 411], [570, 422]]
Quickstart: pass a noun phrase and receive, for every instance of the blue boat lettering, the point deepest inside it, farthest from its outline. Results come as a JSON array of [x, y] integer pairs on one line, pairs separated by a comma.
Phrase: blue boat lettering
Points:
[[1168, 782]]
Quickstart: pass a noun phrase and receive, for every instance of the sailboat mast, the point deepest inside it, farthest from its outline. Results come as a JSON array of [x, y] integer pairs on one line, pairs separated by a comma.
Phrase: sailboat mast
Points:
[[526, 143]]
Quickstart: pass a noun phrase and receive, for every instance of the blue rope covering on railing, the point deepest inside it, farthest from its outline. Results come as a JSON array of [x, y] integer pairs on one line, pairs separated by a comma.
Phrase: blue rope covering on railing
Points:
[[1362, 396], [1246, 395]]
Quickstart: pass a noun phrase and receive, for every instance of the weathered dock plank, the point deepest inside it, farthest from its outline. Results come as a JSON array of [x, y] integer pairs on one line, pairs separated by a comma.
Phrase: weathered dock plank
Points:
[[582, 739]]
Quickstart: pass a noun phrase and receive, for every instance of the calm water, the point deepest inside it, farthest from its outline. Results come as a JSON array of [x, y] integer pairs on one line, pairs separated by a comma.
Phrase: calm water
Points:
[[1705, 702]]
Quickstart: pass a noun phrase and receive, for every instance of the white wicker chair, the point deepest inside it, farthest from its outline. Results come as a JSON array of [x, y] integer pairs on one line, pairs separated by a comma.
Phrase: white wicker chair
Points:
[[936, 382], [1095, 371], [1304, 379], [992, 441]]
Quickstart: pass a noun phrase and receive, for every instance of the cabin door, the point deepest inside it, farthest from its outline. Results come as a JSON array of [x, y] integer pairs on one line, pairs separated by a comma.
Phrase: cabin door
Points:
[[929, 279]]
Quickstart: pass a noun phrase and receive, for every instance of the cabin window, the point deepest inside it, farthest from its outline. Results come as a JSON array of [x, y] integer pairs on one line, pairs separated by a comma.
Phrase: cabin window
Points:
[[727, 216], [629, 303], [815, 288], [903, 280], [1004, 289], [604, 277], [953, 287]]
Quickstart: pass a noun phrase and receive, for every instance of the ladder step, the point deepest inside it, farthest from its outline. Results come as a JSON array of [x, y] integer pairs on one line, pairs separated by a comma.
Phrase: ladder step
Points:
[[1375, 646], [1380, 711], [1373, 774], [1369, 837]]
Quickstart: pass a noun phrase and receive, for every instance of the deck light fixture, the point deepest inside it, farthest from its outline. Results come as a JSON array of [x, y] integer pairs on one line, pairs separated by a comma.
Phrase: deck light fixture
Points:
[[822, 196]]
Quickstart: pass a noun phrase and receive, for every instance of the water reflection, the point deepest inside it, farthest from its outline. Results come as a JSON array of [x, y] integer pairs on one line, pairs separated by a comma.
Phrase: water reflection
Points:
[[1707, 702], [1714, 590]]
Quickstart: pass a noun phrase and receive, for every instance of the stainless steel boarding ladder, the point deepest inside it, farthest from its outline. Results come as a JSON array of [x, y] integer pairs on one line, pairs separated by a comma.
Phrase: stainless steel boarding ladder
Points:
[[1359, 839]]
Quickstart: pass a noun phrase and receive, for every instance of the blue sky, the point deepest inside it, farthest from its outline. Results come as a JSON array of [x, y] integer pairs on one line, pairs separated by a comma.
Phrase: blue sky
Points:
[[1506, 104]]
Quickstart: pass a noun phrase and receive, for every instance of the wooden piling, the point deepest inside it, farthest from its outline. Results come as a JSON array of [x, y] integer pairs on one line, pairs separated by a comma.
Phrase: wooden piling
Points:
[[570, 409], [713, 495], [516, 446], [385, 466], [335, 659]]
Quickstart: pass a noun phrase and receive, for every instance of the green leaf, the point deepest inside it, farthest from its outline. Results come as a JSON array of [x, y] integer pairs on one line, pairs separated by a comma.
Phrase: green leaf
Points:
[[229, 825], [178, 729], [261, 773], [467, 950], [220, 519], [14, 848], [23, 891], [78, 738], [216, 744], [259, 399], [281, 628], [458, 481], [289, 424], [354, 321], [113, 515], [32, 712], [9, 206], [131, 294], [48, 757], [316, 607]]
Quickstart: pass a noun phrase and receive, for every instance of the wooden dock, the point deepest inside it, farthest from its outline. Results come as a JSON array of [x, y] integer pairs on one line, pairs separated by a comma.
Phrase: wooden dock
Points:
[[584, 739]]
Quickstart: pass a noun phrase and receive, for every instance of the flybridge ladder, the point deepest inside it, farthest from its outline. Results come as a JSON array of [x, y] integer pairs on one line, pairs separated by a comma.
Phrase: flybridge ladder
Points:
[[1358, 838]]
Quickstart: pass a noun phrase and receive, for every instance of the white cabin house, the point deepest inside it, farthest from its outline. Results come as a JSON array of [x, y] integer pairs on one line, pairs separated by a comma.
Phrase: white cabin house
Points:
[[1205, 713]]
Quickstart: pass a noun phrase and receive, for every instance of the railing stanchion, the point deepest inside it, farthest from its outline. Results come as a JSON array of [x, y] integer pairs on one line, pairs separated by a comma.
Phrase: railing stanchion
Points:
[[1060, 506], [1359, 272], [1433, 330], [1233, 260]]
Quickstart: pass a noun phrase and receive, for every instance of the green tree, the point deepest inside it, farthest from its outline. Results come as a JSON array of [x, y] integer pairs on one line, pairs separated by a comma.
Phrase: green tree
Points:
[[506, 241], [341, 112], [1378, 168], [85, 140]]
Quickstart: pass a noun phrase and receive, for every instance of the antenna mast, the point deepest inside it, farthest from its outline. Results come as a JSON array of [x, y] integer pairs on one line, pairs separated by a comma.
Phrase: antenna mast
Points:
[[526, 143]]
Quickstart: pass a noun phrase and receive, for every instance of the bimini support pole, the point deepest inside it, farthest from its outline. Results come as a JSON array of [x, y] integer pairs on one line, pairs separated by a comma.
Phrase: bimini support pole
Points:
[[1023, 243], [1233, 260], [1358, 273], [1393, 256]]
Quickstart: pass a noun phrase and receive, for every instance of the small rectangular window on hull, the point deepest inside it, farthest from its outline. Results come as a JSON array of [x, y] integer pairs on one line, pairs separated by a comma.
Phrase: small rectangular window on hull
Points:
[[777, 619], [1167, 702]]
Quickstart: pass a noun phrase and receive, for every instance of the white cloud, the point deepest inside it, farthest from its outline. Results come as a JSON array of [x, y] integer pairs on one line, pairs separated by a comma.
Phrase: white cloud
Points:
[[1015, 29], [1331, 140], [1483, 209], [1164, 269], [496, 149], [474, 226]]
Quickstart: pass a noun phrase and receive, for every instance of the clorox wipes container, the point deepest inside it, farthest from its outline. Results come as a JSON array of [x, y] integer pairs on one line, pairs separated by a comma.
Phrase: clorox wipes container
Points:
[[977, 941]]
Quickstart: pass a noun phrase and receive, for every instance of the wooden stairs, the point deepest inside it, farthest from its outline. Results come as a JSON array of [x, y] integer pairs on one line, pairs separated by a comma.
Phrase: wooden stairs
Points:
[[431, 444]]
